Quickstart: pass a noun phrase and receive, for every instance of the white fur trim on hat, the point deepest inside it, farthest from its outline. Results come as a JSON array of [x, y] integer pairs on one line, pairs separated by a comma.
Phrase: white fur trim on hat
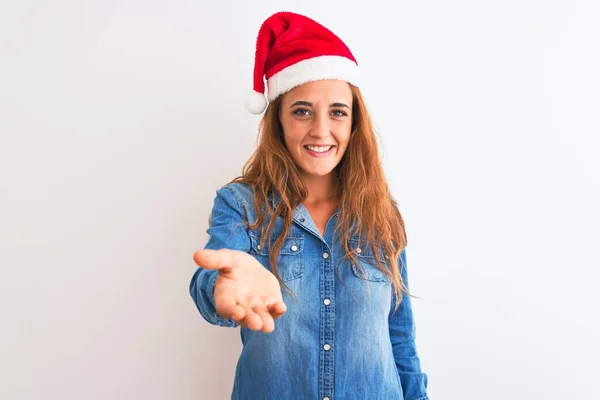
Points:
[[313, 69]]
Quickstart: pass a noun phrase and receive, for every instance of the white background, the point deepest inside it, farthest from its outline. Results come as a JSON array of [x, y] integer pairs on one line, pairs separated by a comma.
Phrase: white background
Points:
[[120, 119]]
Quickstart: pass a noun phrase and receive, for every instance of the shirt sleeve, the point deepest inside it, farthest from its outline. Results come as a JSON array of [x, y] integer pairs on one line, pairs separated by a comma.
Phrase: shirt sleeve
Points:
[[227, 230], [402, 335]]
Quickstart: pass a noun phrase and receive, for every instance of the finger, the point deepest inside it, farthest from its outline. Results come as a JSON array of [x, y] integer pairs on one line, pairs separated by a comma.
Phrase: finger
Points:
[[254, 303], [235, 312], [268, 325], [228, 307], [214, 259], [252, 320], [277, 309], [238, 313]]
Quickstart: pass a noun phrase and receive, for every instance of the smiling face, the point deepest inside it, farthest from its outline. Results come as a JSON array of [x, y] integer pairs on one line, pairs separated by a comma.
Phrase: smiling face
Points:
[[316, 118]]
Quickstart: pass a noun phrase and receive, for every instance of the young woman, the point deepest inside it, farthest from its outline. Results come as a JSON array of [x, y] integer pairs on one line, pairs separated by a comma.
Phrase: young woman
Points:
[[311, 214]]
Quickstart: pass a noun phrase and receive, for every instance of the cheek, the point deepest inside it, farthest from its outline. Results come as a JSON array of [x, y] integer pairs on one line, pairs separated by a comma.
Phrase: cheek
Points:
[[292, 135], [343, 138], [291, 144], [292, 141]]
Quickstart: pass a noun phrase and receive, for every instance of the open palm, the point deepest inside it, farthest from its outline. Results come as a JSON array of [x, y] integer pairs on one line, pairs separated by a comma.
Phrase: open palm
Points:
[[245, 291]]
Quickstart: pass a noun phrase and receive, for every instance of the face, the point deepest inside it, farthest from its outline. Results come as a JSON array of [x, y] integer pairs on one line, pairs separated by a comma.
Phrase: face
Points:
[[317, 120]]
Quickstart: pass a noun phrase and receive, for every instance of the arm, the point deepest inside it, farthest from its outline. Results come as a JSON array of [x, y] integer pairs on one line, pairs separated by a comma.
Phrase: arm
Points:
[[226, 230], [402, 335]]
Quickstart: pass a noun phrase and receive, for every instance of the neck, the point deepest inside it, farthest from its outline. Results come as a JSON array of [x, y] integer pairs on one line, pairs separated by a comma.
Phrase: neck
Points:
[[321, 189]]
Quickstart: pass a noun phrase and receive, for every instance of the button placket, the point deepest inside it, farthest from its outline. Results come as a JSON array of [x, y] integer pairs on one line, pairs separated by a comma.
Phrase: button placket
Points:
[[327, 312], [327, 327]]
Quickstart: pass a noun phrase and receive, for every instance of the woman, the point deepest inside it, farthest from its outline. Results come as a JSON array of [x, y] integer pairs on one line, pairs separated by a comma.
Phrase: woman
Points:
[[311, 214]]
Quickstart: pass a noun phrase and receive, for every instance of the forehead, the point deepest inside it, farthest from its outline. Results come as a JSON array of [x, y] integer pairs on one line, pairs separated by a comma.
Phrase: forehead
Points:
[[327, 91]]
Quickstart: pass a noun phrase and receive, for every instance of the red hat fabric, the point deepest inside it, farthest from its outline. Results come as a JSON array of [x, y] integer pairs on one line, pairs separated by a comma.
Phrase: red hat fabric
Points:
[[292, 49]]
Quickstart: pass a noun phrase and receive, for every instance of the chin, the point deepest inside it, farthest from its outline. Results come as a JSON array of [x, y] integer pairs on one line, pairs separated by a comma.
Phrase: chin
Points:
[[318, 173]]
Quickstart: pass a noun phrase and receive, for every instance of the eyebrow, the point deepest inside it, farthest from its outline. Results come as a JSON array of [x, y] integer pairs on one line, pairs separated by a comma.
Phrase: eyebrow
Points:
[[309, 104]]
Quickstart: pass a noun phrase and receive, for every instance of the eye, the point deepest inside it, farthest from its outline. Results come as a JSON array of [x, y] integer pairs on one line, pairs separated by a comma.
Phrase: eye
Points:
[[339, 113], [302, 112]]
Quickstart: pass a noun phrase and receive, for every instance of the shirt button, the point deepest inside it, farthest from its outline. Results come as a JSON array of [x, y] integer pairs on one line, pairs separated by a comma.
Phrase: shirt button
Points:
[[258, 247], [325, 255], [302, 220], [327, 347], [325, 398], [326, 302], [358, 250], [294, 248]]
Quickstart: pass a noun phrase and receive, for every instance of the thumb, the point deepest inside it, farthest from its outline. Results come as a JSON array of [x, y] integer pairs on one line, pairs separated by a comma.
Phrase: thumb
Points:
[[214, 259]]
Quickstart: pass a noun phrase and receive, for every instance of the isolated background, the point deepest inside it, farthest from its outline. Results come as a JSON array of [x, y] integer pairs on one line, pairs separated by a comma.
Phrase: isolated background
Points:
[[120, 119]]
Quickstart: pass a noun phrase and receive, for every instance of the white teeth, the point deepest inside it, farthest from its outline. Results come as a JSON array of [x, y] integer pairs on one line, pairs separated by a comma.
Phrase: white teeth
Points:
[[319, 149]]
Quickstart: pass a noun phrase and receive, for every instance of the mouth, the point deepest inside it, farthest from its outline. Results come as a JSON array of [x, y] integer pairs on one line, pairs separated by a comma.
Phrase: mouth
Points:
[[319, 151]]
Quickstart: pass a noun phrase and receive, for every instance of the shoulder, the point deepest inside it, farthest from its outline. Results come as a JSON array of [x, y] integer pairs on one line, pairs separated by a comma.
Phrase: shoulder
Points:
[[240, 189], [240, 196], [243, 193]]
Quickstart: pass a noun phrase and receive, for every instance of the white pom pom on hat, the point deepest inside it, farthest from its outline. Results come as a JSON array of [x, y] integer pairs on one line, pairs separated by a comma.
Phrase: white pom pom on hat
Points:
[[256, 102], [292, 49]]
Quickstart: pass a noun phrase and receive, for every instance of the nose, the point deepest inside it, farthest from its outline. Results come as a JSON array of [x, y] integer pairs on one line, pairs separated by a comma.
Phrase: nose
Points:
[[320, 128]]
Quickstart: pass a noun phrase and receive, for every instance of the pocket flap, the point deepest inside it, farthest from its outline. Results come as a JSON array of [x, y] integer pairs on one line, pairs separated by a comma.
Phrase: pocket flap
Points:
[[366, 258], [292, 245]]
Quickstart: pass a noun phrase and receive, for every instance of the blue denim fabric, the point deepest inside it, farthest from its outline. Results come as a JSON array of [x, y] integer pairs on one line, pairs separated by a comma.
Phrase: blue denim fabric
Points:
[[340, 340]]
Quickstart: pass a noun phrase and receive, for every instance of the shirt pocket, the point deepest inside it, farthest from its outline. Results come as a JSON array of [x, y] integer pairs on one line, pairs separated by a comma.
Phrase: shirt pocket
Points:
[[290, 264], [367, 261]]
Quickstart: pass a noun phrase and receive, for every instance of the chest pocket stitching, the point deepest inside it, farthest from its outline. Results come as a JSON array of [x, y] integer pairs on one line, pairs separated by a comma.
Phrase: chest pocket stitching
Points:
[[290, 262], [367, 260]]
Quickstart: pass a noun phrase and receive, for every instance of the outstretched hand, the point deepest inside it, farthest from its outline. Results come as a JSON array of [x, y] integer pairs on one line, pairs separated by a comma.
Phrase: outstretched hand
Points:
[[245, 291]]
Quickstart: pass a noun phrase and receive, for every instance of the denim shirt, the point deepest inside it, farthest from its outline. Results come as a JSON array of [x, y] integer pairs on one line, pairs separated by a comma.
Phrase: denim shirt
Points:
[[340, 340]]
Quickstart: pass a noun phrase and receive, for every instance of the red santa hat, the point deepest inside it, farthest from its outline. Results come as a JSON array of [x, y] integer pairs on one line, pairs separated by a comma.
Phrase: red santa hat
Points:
[[292, 49]]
